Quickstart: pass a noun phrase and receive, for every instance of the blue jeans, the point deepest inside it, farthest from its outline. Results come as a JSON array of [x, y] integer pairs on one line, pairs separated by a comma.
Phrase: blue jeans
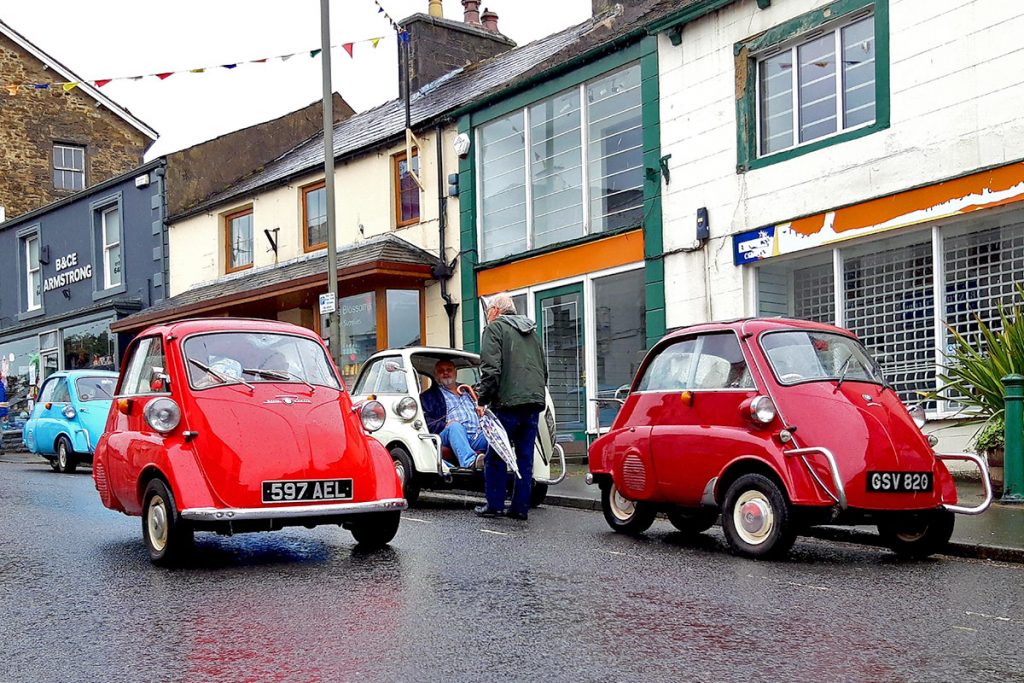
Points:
[[521, 425], [454, 437]]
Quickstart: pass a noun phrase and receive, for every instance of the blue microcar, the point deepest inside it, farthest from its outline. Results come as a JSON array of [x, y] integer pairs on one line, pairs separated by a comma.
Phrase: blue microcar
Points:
[[69, 417]]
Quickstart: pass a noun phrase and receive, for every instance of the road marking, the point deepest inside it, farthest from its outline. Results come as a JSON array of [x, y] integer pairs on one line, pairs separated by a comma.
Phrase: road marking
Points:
[[620, 553], [805, 585], [964, 628], [992, 616], [496, 533], [407, 518]]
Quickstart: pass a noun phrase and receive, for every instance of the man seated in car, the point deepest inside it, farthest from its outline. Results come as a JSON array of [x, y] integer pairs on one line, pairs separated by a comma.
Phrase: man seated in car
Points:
[[451, 413]]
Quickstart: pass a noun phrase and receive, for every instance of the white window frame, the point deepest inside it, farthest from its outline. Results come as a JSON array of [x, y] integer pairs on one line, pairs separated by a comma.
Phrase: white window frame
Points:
[[32, 303], [108, 246], [585, 159], [791, 47], [65, 148]]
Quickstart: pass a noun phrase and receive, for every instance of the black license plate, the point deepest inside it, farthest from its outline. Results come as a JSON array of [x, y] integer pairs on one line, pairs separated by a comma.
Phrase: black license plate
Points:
[[899, 482], [312, 490]]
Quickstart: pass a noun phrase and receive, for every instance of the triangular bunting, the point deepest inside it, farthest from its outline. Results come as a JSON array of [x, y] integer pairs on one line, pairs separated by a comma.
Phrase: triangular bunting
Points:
[[12, 89], [165, 75], [285, 58], [375, 41], [404, 35], [348, 48], [229, 66], [41, 86], [259, 61], [314, 53], [102, 82], [68, 87], [197, 71]]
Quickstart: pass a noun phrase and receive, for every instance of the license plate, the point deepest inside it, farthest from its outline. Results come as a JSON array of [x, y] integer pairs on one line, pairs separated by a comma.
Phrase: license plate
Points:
[[899, 482], [307, 490]]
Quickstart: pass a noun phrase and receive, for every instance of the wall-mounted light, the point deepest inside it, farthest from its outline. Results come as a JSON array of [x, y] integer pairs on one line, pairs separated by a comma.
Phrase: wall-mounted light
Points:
[[66, 292], [44, 254], [461, 145]]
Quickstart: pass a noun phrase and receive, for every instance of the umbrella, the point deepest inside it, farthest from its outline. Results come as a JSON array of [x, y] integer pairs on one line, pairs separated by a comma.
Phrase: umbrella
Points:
[[497, 439]]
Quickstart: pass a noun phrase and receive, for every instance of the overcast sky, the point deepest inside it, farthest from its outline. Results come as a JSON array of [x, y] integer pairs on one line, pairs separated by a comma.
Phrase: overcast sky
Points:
[[111, 38]]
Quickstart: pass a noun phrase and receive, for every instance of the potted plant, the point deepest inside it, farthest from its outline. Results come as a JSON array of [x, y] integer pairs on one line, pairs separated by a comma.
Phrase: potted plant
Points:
[[973, 374]]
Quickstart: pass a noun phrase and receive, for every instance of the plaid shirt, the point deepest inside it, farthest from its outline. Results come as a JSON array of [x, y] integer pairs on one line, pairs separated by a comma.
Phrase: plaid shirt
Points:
[[462, 409]]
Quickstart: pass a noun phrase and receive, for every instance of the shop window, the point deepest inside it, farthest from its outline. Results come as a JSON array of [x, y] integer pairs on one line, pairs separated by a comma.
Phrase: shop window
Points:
[[33, 272], [818, 80], [403, 318], [89, 346], [314, 217], [19, 370], [556, 170], [621, 336], [238, 240], [110, 230], [407, 192], [358, 333], [68, 167]]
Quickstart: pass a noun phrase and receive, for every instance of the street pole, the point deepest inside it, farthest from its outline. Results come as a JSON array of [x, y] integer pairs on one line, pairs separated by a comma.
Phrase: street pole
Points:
[[333, 318], [1013, 453]]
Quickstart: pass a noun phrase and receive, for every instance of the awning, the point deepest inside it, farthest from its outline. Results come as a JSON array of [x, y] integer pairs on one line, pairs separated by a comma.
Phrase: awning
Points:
[[378, 258]]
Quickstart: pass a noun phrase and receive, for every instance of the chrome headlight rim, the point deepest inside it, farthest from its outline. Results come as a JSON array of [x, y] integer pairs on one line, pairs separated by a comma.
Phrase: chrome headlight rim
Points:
[[918, 415], [69, 412], [163, 415], [372, 415], [762, 410], [406, 408]]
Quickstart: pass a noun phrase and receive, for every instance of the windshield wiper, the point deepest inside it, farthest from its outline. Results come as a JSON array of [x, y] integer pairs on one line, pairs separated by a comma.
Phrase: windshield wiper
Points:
[[278, 374], [842, 372], [223, 378]]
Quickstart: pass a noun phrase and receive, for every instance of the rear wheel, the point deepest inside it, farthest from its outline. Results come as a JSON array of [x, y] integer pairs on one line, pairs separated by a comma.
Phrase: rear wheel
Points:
[[406, 473], [168, 538], [756, 518], [916, 536], [375, 530], [66, 461], [538, 493], [690, 521], [623, 515]]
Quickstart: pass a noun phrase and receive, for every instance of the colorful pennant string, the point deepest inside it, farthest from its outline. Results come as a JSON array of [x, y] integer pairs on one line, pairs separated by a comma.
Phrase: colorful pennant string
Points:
[[403, 35], [67, 86]]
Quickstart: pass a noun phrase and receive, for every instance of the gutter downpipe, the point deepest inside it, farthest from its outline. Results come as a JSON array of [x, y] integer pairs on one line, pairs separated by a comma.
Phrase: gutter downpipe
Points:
[[445, 270]]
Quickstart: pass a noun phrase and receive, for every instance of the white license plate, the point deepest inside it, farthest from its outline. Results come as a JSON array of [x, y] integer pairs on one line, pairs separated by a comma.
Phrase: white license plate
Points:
[[309, 490]]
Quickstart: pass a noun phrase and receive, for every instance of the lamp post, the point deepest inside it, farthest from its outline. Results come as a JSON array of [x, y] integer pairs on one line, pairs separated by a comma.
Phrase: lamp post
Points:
[[333, 318]]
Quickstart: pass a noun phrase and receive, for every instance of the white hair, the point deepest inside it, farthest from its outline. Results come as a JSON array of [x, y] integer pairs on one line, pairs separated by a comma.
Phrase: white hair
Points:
[[503, 303]]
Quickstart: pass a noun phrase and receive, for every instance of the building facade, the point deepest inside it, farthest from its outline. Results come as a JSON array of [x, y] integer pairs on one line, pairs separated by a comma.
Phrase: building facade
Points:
[[55, 142], [859, 162], [72, 268]]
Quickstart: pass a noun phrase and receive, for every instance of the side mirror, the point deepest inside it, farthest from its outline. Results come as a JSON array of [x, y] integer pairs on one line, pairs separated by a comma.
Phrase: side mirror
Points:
[[159, 381], [392, 366], [622, 392]]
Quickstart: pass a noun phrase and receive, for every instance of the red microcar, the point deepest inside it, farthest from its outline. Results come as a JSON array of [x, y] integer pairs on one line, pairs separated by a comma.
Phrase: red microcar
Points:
[[233, 425], [776, 425]]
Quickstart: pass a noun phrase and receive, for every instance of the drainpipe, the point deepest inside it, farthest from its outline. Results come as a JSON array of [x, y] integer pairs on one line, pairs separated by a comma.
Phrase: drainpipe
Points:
[[444, 272]]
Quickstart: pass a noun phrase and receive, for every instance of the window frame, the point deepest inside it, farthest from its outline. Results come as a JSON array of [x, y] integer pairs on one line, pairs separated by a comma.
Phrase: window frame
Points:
[[586, 197], [106, 247], [228, 219], [30, 293], [749, 55], [304, 226], [396, 179], [65, 147]]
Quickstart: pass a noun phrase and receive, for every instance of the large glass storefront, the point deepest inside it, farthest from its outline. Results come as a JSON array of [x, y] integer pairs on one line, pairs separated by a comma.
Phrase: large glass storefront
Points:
[[594, 332], [371, 321], [903, 294]]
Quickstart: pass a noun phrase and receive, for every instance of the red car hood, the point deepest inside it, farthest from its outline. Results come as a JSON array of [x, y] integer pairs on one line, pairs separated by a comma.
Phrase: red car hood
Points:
[[275, 432], [867, 429]]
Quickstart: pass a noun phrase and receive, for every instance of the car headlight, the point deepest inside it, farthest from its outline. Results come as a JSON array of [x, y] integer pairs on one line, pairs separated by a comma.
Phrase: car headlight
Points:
[[163, 415], [917, 412], [762, 410], [69, 412], [372, 415], [406, 408]]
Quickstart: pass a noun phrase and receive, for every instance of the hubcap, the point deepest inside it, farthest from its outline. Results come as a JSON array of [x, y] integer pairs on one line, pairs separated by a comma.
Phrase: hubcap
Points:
[[401, 471], [62, 455], [622, 508], [157, 521], [753, 517]]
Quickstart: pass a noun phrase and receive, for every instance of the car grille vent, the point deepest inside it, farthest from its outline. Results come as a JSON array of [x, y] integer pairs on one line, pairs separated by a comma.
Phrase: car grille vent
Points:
[[634, 472], [100, 476]]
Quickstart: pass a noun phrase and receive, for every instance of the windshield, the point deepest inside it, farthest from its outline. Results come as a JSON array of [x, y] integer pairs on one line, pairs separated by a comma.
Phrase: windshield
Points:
[[251, 357], [806, 356], [95, 388]]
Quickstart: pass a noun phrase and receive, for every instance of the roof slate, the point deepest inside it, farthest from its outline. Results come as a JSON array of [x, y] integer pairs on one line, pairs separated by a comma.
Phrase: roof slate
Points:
[[459, 88]]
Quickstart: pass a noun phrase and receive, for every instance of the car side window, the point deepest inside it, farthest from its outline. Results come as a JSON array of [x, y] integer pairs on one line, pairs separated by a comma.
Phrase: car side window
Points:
[[60, 392], [670, 369], [147, 357], [46, 395], [377, 380], [720, 364]]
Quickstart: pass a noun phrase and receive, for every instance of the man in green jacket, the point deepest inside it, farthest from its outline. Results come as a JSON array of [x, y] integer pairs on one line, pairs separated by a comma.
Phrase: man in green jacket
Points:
[[513, 379]]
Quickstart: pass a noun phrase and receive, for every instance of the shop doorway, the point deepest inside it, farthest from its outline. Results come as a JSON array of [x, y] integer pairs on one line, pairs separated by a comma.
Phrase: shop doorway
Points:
[[560, 318]]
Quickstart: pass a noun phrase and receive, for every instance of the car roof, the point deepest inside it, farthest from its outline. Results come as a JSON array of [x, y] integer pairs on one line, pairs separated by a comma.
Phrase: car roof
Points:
[[754, 326], [195, 325], [73, 374], [425, 350]]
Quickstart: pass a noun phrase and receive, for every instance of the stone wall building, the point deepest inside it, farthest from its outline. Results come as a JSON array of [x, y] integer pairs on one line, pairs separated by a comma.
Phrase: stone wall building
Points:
[[55, 142]]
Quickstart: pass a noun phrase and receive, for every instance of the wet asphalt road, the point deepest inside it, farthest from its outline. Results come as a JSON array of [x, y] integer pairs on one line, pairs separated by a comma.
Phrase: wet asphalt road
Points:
[[456, 598]]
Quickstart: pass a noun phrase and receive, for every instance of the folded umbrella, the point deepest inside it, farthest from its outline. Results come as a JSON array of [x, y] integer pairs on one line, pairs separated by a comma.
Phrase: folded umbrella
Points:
[[494, 432]]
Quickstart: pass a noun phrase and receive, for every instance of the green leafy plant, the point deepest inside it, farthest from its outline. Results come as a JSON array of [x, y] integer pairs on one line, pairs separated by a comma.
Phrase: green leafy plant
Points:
[[975, 367]]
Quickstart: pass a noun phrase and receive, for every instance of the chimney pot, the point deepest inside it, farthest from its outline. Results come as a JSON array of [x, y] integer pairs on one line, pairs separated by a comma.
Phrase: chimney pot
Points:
[[471, 9], [435, 9], [490, 20]]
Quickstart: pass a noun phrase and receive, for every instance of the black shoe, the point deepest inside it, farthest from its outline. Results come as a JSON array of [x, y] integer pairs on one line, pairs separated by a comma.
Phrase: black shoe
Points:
[[484, 511], [516, 515]]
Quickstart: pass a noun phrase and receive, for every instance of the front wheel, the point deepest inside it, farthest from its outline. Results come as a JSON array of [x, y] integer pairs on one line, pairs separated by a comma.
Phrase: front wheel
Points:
[[406, 473], [538, 493], [623, 515], [66, 461], [375, 530], [168, 537], [916, 536], [756, 518], [692, 522]]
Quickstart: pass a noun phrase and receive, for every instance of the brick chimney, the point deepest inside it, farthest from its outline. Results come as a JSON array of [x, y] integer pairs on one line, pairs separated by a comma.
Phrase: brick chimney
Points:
[[438, 46], [490, 20], [471, 11]]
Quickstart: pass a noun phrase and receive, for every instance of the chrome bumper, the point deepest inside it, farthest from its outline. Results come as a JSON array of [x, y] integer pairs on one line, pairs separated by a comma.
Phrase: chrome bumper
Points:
[[561, 459], [840, 494], [986, 481], [292, 512]]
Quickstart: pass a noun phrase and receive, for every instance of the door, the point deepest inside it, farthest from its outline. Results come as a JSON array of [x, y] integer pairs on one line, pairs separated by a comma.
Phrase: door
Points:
[[560, 321], [47, 415]]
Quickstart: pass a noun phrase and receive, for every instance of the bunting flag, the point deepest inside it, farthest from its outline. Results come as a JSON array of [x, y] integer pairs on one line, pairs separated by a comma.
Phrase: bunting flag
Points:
[[68, 86], [402, 33]]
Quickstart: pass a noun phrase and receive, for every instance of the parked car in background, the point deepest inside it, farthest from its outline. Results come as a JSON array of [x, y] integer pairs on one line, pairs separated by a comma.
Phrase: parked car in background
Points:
[[232, 425], [776, 425], [69, 416], [397, 378]]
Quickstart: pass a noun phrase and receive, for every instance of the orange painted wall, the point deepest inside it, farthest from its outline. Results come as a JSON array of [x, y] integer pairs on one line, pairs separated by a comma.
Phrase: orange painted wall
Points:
[[572, 261]]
